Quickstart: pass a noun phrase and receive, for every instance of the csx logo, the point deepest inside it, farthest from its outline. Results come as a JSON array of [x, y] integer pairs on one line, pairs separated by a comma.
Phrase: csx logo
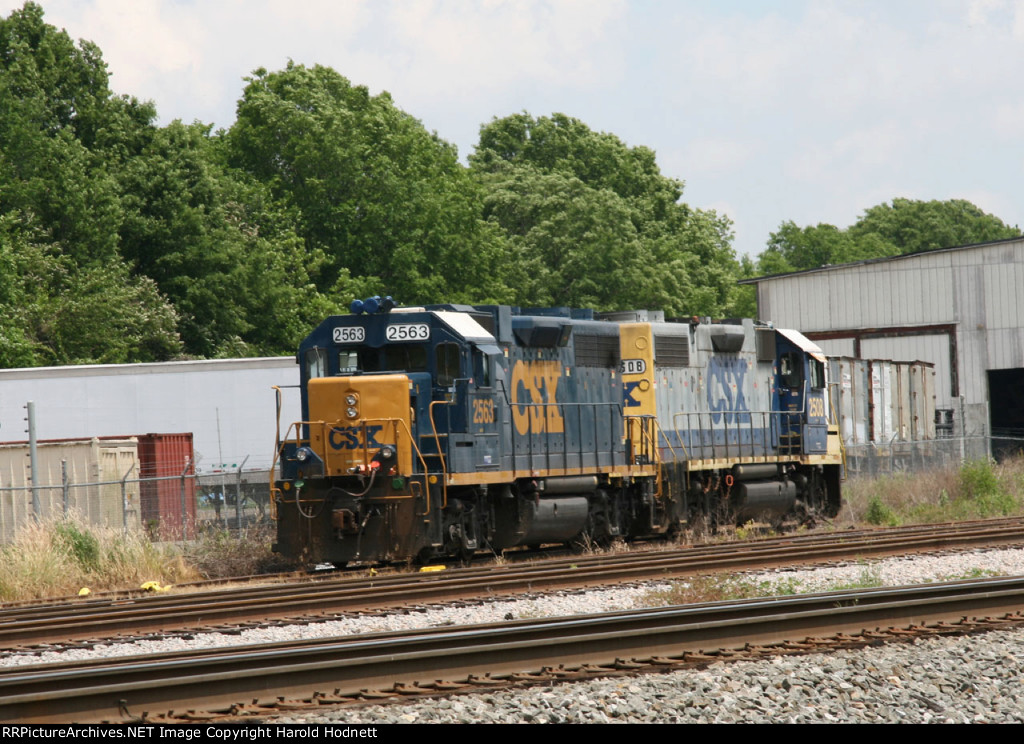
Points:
[[725, 390], [535, 384], [351, 437]]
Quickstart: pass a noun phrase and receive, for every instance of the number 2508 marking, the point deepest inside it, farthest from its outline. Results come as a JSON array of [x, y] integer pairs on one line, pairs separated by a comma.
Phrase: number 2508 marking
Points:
[[816, 408]]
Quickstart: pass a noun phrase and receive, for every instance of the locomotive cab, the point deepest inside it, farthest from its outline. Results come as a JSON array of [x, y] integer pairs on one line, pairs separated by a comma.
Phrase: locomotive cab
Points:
[[800, 395], [388, 402]]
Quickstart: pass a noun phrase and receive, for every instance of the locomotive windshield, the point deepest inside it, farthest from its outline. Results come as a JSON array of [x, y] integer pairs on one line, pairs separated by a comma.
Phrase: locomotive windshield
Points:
[[351, 360]]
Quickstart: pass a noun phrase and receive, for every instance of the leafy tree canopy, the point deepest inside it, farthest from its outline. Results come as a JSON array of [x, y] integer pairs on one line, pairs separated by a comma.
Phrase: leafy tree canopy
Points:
[[384, 201], [923, 226], [593, 222], [904, 226], [67, 298], [221, 249], [100, 208]]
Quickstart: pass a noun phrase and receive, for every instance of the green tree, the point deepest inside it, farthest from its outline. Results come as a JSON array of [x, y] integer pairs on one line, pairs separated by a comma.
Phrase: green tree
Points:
[[66, 298], [794, 248], [116, 212], [593, 222], [914, 226], [54, 311], [217, 245], [384, 201], [53, 96], [904, 226]]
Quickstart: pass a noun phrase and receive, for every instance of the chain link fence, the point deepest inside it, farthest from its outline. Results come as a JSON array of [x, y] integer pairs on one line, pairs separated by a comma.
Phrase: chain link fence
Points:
[[874, 459], [167, 507], [233, 500]]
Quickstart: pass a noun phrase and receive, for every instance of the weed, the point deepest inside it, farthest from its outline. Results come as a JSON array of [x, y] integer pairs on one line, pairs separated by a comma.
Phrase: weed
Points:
[[751, 530], [57, 558], [973, 573], [880, 514], [718, 589], [976, 490], [220, 554], [79, 544], [870, 578]]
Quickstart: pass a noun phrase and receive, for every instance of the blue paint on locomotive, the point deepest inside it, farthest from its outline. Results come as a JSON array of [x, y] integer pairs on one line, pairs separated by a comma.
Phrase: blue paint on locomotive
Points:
[[520, 426]]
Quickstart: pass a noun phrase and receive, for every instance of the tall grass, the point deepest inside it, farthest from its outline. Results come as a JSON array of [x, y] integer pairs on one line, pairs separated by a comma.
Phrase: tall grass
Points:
[[978, 489], [61, 557]]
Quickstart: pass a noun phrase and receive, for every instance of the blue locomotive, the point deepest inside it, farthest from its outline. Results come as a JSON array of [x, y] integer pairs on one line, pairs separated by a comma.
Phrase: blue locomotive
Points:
[[446, 429]]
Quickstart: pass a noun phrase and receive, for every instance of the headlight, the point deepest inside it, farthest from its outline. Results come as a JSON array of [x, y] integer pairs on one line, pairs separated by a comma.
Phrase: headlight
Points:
[[351, 399], [352, 413], [387, 452], [302, 454]]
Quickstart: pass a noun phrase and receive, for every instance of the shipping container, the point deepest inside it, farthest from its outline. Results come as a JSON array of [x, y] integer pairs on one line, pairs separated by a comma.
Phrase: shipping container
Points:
[[168, 492], [95, 479], [883, 401]]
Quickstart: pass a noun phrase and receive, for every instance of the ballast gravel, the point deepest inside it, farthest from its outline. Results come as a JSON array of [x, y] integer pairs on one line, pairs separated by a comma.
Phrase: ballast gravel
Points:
[[956, 680], [940, 680]]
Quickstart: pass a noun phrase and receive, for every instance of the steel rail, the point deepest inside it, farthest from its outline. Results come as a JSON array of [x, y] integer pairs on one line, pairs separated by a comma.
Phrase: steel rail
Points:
[[220, 679], [94, 619]]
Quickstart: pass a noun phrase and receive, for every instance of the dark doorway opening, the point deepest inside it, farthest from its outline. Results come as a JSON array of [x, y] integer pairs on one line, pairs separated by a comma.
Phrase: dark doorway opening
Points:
[[1006, 411]]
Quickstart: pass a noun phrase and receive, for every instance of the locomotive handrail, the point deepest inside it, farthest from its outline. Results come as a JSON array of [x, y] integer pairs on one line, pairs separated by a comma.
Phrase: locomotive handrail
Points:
[[686, 432], [301, 441], [273, 465], [647, 423], [668, 443], [277, 451], [440, 454], [842, 444]]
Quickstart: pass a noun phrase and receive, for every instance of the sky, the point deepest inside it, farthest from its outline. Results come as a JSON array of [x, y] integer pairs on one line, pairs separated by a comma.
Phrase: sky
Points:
[[768, 111]]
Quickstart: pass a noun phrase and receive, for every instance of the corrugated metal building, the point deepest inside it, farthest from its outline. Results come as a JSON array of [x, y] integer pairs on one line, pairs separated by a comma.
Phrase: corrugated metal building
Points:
[[960, 308]]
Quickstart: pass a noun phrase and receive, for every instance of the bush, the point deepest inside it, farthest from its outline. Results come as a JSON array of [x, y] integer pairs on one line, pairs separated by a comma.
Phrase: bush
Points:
[[218, 554], [976, 490], [980, 484], [880, 514], [80, 545]]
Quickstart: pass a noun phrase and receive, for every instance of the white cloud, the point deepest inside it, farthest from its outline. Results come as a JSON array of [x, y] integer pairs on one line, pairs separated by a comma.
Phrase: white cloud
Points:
[[474, 48], [857, 150], [715, 155]]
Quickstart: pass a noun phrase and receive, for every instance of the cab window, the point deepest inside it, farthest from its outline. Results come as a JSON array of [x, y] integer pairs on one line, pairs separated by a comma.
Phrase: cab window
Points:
[[791, 369], [393, 358], [482, 367], [316, 363], [817, 373], [348, 361], [447, 363], [405, 357]]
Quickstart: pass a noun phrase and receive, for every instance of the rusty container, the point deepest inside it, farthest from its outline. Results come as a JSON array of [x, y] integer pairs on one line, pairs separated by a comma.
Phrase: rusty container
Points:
[[167, 491]]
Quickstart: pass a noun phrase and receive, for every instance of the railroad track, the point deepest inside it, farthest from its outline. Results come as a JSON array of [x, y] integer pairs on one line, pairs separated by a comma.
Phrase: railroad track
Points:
[[266, 679], [103, 618]]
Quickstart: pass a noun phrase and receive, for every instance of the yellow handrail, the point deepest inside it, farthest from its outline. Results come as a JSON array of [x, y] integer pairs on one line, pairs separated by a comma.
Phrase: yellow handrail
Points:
[[440, 454]]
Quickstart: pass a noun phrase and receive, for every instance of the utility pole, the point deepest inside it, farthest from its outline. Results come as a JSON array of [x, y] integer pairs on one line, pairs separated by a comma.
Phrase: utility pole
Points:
[[33, 459]]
